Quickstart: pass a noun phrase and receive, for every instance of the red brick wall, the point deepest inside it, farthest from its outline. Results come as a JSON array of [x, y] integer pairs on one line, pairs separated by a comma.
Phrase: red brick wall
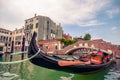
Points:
[[49, 46]]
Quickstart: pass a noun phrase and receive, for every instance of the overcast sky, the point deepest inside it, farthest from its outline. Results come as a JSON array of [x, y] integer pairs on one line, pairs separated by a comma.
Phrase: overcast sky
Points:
[[100, 18]]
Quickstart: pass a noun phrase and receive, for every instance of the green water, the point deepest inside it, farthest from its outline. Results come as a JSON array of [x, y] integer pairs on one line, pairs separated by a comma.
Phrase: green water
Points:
[[28, 71]]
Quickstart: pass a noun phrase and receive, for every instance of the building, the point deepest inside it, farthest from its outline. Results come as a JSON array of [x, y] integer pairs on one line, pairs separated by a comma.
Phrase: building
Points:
[[49, 46], [44, 26], [5, 40], [46, 29], [18, 35], [67, 36]]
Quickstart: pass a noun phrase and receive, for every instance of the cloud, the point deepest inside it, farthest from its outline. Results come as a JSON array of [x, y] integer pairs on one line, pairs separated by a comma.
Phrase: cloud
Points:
[[89, 30], [113, 12], [114, 28], [61, 11], [91, 23]]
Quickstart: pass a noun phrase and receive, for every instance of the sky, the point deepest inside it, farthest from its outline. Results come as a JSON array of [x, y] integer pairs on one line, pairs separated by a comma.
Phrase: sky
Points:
[[100, 18]]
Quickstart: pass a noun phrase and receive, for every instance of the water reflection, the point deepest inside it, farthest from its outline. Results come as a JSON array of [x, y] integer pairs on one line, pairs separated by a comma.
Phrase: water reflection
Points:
[[29, 71]]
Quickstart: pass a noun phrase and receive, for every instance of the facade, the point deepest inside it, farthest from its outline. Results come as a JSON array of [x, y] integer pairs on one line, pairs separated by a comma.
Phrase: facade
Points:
[[49, 46], [18, 35], [5, 40], [44, 26], [46, 29]]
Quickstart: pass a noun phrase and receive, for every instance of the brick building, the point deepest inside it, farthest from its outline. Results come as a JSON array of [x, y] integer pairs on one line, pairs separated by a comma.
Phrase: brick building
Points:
[[49, 46]]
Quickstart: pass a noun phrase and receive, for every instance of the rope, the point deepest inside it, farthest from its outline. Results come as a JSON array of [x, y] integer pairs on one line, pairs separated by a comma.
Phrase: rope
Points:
[[14, 62], [18, 53]]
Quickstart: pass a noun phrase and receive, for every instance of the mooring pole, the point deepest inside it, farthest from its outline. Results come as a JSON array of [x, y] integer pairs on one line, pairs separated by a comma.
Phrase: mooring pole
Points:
[[12, 50], [23, 47]]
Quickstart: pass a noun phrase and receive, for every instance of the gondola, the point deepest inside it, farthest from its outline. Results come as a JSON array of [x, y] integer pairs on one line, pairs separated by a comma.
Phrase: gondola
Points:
[[58, 63]]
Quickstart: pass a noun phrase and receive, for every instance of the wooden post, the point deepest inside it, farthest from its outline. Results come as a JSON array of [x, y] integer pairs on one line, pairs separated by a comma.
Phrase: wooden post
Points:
[[12, 50], [23, 47]]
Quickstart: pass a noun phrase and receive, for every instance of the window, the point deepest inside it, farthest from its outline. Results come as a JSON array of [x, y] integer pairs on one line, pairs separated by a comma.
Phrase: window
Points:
[[27, 27], [10, 33], [16, 32], [31, 35], [46, 47], [31, 20], [51, 31], [48, 25], [6, 38], [10, 39], [18, 37], [15, 43], [36, 25], [1, 38], [31, 26], [56, 47], [19, 43], [8, 44], [1, 48], [5, 44], [2, 31], [47, 36]]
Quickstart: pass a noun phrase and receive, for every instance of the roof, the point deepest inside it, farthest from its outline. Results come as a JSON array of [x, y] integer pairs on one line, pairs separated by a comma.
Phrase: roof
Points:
[[5, 29]]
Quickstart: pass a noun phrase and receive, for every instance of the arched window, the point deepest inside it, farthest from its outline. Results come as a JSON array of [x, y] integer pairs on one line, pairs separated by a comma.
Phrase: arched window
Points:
[[48, 24], [1, 38], [36, 25], [4, 38], [10, 39]]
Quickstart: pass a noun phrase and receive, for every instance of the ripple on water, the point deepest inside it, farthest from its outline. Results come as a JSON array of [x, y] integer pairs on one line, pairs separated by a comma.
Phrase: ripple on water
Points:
[[112, 75], [67, 78], [7, 76]]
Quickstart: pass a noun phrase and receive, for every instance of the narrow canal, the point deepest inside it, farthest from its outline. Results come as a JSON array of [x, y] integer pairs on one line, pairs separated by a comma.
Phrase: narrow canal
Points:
[[28, 71]]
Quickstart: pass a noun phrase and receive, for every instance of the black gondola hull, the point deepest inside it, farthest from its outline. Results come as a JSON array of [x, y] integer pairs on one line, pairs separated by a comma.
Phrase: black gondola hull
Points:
[[51, 62]]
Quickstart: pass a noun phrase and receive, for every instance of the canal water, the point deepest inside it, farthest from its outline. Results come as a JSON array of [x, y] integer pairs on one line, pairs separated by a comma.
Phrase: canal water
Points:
[[28, 71]]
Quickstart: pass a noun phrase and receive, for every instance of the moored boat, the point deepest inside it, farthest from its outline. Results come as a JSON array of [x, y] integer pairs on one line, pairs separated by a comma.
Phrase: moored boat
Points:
[[58, 63]]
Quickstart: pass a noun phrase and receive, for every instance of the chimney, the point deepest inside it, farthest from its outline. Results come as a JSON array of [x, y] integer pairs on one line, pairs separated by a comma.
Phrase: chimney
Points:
[[35, 15], [59, 24]]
